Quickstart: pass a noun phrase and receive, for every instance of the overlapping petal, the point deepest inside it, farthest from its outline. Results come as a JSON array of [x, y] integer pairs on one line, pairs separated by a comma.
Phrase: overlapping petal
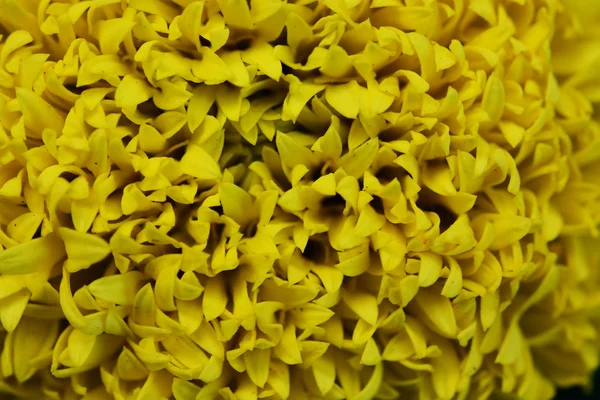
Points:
[[298, 199]]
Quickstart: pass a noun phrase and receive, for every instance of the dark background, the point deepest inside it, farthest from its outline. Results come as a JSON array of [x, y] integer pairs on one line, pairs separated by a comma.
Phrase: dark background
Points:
[[579, 394]]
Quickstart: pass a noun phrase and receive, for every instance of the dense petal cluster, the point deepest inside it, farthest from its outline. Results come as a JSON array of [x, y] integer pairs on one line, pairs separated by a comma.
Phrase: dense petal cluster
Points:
[[301, 199]]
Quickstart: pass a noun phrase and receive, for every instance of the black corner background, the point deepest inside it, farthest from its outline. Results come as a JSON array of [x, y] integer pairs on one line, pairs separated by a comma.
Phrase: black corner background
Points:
[[579, 394]]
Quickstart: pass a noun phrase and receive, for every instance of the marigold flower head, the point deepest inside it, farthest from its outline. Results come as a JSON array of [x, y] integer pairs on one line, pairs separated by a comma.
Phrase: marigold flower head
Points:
[[302, 199]]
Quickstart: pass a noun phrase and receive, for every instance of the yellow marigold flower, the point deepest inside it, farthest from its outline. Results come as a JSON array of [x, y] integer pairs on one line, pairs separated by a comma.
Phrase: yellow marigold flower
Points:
[[318, 199]]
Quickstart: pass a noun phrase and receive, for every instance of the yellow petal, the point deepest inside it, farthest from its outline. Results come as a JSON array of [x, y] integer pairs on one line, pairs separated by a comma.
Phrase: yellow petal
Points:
[[324, 373], [279, 379], [447, 371], [509, 229], [288, 350], [34, 256], [171, 95], [132, 91], [371, 354], [215, 298], [436, 310], [453, 283], [83, 249], [32, 339], [150, 139], [236, 203], [12, 309], [330, 144], [230, 101], [236, 14], [369, 222], [202, 99], [129, 367], [183, 390], [257, 365], [190, 314], [211, 68], [363, 304], [330, 277], [118, 289], [112, 32], [344, 98], [292, 153], [493, 98], [371, 389], [198, 163], [165, 287], [23, 228], [357, 161], [338, 64], [262, 55], [430, 269], [354, 262], [38, 114], [80, 346], [144, 310], [311, 315], [299, 94]]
